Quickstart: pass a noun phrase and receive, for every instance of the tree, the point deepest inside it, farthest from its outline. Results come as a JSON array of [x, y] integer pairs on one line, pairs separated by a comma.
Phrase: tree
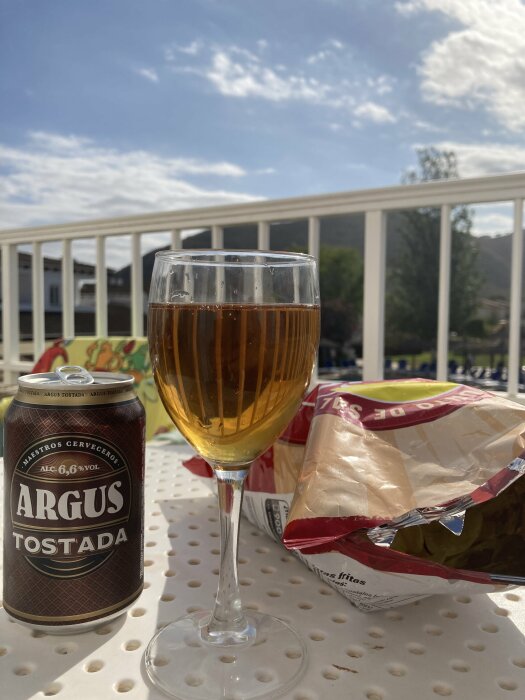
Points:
[[341, 283], [413, 299]]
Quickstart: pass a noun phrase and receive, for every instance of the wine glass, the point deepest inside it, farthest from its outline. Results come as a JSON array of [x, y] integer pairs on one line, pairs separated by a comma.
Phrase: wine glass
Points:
[[233, 338]]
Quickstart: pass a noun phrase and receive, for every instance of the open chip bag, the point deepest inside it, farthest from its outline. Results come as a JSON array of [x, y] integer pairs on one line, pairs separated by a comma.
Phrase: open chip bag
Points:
[[395, 490]]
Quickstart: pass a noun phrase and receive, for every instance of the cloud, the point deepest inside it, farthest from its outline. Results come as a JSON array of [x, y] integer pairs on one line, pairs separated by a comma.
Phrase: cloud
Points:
[[424, 125], [323, 78], [382, 84], [191, 49], [479, 65], [374, 113], [55, 178], [148, 73], [328, 52], [488, 221], [478, 159], [237, 73], [58, 142]]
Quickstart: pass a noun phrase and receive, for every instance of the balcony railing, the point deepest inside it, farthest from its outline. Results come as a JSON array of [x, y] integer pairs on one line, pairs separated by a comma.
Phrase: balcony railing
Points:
[[374, 203]]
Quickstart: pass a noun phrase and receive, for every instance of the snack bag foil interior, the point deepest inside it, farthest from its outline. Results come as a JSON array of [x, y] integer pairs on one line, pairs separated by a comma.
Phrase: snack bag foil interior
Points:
[[410, 488]]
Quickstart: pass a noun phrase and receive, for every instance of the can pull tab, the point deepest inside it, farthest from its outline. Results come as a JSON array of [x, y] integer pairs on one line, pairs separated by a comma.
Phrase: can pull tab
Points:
[[72, 374]]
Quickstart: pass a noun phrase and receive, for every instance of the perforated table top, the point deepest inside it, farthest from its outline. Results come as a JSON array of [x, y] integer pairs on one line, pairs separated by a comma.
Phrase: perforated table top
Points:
[[459, 647]]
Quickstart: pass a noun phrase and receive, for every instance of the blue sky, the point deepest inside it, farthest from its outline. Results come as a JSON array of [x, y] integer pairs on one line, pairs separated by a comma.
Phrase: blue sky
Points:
[[114, 107]]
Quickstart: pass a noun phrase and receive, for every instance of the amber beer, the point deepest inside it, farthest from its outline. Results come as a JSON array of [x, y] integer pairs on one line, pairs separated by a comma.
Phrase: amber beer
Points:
[[232, 376], [74, 475]]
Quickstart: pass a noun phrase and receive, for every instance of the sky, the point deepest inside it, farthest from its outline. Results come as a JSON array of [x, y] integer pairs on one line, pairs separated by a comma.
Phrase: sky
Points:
[[119, 107]]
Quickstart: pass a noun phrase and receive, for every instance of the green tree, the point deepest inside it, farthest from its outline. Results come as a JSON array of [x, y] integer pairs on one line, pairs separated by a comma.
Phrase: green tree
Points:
[[341, 286], [412, 302]]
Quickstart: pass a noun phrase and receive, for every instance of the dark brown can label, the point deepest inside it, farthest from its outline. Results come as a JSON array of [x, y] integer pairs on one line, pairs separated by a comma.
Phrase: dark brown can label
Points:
[[74, 511]]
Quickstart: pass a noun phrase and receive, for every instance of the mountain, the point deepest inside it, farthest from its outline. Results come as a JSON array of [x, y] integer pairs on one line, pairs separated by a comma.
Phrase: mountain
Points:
[[495, 256], [494, 259]]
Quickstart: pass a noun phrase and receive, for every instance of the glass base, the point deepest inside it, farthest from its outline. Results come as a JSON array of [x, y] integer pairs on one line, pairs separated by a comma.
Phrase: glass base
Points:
[[186, 667]]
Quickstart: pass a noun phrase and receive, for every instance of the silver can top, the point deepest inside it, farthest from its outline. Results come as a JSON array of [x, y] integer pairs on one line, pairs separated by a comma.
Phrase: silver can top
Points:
[[74, 385]]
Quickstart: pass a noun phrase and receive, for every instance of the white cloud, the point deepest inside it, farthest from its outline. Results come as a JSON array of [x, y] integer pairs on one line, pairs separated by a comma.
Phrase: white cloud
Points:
[[58, 142], [477, 159], [479, 65], [427, 126], [57, 178], [317, 57], [491, 223], [336, 44], [382, 84], [330, 48], [245, 76], [236, 72], [148, 73], [374, 113], [191, 49]]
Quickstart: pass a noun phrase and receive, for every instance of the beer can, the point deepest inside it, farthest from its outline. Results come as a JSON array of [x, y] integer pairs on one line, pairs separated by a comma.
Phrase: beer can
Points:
[[74, 503]]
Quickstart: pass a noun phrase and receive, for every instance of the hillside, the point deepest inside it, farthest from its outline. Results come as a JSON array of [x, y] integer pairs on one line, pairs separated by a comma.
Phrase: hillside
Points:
[[347, 231], [495, 263]]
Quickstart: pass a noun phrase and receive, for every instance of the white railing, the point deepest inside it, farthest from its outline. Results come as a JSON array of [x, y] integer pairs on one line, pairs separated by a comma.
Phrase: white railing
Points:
[[374, 203]]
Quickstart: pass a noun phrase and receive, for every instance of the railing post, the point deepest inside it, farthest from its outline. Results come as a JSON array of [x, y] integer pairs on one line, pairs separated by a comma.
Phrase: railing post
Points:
[[176, 239], [69, 296], [217, 237], [445, 251], [263, 235], [314, 236], [263, 243], [101, 310], [314, 248], [137, 287], [514, 362], [38, 301], [10, 311], [374, 295]]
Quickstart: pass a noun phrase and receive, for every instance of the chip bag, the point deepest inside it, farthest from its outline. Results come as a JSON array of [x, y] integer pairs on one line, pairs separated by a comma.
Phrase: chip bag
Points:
[[396, 490]]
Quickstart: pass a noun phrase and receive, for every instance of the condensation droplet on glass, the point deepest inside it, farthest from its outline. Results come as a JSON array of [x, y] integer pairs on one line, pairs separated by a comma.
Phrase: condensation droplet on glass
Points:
[[180, 294]]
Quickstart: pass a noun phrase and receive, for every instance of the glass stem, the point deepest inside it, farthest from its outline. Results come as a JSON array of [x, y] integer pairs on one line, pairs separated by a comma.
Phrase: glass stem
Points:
[[228, 624]]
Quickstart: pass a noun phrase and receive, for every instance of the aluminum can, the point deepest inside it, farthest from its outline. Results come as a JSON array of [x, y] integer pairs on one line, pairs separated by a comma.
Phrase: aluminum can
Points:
[[74, 503]]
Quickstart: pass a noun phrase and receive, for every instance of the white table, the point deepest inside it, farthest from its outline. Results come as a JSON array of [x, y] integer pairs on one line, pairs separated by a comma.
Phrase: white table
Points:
[[458, 647]]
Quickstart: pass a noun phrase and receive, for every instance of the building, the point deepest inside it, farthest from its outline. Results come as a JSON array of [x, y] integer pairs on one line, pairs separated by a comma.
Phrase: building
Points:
[[84, 285]]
